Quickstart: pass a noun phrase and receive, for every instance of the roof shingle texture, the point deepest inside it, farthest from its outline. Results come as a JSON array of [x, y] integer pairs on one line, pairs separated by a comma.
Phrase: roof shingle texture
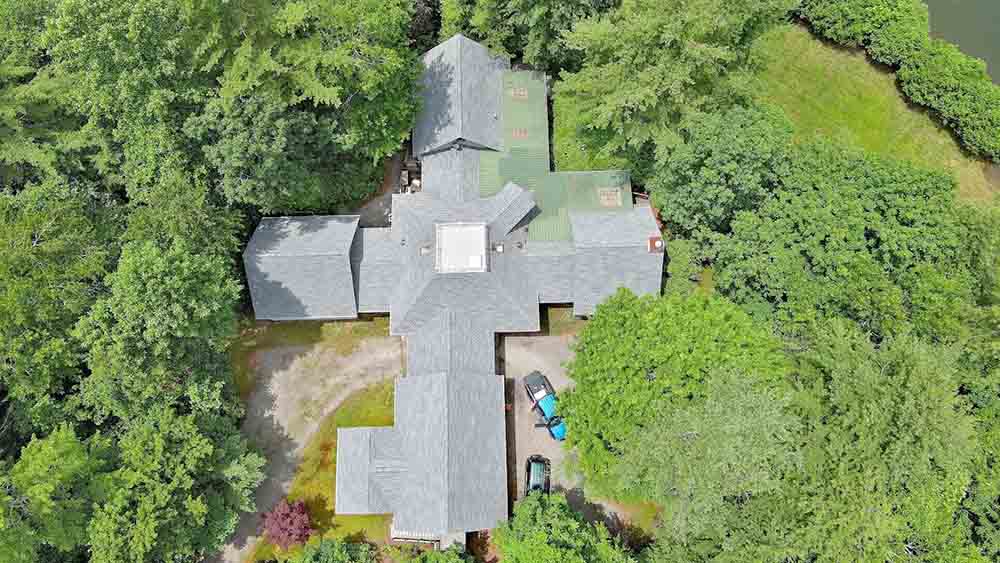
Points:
[[441, 468], [299, 268], [376, 261], [460, 89]]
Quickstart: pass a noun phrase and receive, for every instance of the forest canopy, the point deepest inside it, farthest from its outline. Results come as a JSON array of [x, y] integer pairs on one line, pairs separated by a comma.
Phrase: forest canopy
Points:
[[819, 381]]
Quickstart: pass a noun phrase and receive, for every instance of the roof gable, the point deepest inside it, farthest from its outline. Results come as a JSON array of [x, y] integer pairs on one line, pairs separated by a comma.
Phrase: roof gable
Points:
[[300, 268], [461, 86]]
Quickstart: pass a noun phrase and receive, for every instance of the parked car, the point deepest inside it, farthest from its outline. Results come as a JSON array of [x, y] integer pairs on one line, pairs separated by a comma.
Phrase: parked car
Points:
[[536, 475], [543, 402]]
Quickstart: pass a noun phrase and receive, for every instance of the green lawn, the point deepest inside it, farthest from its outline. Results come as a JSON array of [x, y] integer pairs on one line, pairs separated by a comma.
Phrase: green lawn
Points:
[[315, 479], [831, 91], [342, 336]]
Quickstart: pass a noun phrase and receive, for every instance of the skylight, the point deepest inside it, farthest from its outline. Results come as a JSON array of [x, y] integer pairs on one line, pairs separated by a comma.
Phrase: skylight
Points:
[[461, 248]]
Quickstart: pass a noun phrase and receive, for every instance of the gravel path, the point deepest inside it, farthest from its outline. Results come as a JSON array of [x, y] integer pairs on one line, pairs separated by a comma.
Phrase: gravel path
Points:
[[296, 387]]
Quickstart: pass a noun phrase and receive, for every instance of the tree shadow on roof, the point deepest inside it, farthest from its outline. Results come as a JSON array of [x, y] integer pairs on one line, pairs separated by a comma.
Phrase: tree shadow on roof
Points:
[[437, 111]]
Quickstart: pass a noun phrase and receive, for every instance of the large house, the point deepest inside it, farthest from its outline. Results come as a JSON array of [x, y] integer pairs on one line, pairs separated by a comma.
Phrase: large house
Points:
[[492, 234]]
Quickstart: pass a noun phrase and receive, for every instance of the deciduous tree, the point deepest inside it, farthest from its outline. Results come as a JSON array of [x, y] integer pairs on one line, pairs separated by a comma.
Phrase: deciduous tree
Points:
[[639, 354], [728, 162], [704, 460], [889, 449], [49, 493], [56, 245], [544, 528], [844, 237], [151, 340], [651, 63], [288, 524], [178, 491]]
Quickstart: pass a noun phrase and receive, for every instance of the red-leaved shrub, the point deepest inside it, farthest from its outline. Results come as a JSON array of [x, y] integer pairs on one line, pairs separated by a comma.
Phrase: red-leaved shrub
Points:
[[287, 524]]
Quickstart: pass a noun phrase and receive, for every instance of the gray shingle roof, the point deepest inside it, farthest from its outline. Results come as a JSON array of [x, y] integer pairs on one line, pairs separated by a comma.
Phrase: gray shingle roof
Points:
[[461, 91], [451, 175], [612, 251], [376, 261], [456, 342], [550, 266], [370, 470], [441, 468], [299, 268], [609, 229], [499, 295], [508, 208]]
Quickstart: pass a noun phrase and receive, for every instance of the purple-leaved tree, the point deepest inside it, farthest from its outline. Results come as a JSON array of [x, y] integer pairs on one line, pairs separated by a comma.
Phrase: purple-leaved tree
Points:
[[287, 524]]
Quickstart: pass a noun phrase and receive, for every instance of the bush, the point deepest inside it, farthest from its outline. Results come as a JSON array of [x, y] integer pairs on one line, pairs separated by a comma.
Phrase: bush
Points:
[[958, 88], [288, 524], [729, 162], [932, 73], [891, 30]]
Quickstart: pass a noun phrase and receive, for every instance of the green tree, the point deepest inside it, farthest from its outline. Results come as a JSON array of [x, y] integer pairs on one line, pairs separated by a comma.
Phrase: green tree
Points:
[[279, 157], [650, 64], [42, 138], [638, 355], [455, 17], [528, 30], [845, 237], [55, 248], [683, 266], [329, 550], [160, 332], [891, 30], [729, 162], [544, 529], [211, 88], [889, 448], [340, 77], [704, 460], [416, 555], [177, 492], [182, 211], [138, 69], [542, 24], [49, 492]]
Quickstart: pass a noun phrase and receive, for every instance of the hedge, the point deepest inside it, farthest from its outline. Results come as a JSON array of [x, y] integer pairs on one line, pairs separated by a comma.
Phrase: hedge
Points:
[[932, 73]]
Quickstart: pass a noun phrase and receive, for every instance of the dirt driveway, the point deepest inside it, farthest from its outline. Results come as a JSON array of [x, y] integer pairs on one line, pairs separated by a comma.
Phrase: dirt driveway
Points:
[[548, 354], [296, 387]]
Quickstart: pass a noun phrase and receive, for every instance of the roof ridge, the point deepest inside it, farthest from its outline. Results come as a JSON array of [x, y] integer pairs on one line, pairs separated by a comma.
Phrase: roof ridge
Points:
[[461, 90], [447, 440], [300, 254]]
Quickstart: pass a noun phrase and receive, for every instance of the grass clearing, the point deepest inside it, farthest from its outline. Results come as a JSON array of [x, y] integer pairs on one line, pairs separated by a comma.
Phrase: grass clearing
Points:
[[342, 336], [837, 93], [315, 478], [560, 321]]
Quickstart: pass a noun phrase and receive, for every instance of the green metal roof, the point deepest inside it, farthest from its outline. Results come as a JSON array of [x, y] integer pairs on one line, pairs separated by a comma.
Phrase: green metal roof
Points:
[[526, 163]]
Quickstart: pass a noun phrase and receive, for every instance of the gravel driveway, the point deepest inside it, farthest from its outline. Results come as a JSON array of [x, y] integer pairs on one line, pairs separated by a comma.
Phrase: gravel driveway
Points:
[[548, 354]]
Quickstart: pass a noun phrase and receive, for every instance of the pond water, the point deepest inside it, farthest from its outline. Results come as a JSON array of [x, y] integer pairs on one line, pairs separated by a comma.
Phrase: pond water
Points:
[[973, 25]]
